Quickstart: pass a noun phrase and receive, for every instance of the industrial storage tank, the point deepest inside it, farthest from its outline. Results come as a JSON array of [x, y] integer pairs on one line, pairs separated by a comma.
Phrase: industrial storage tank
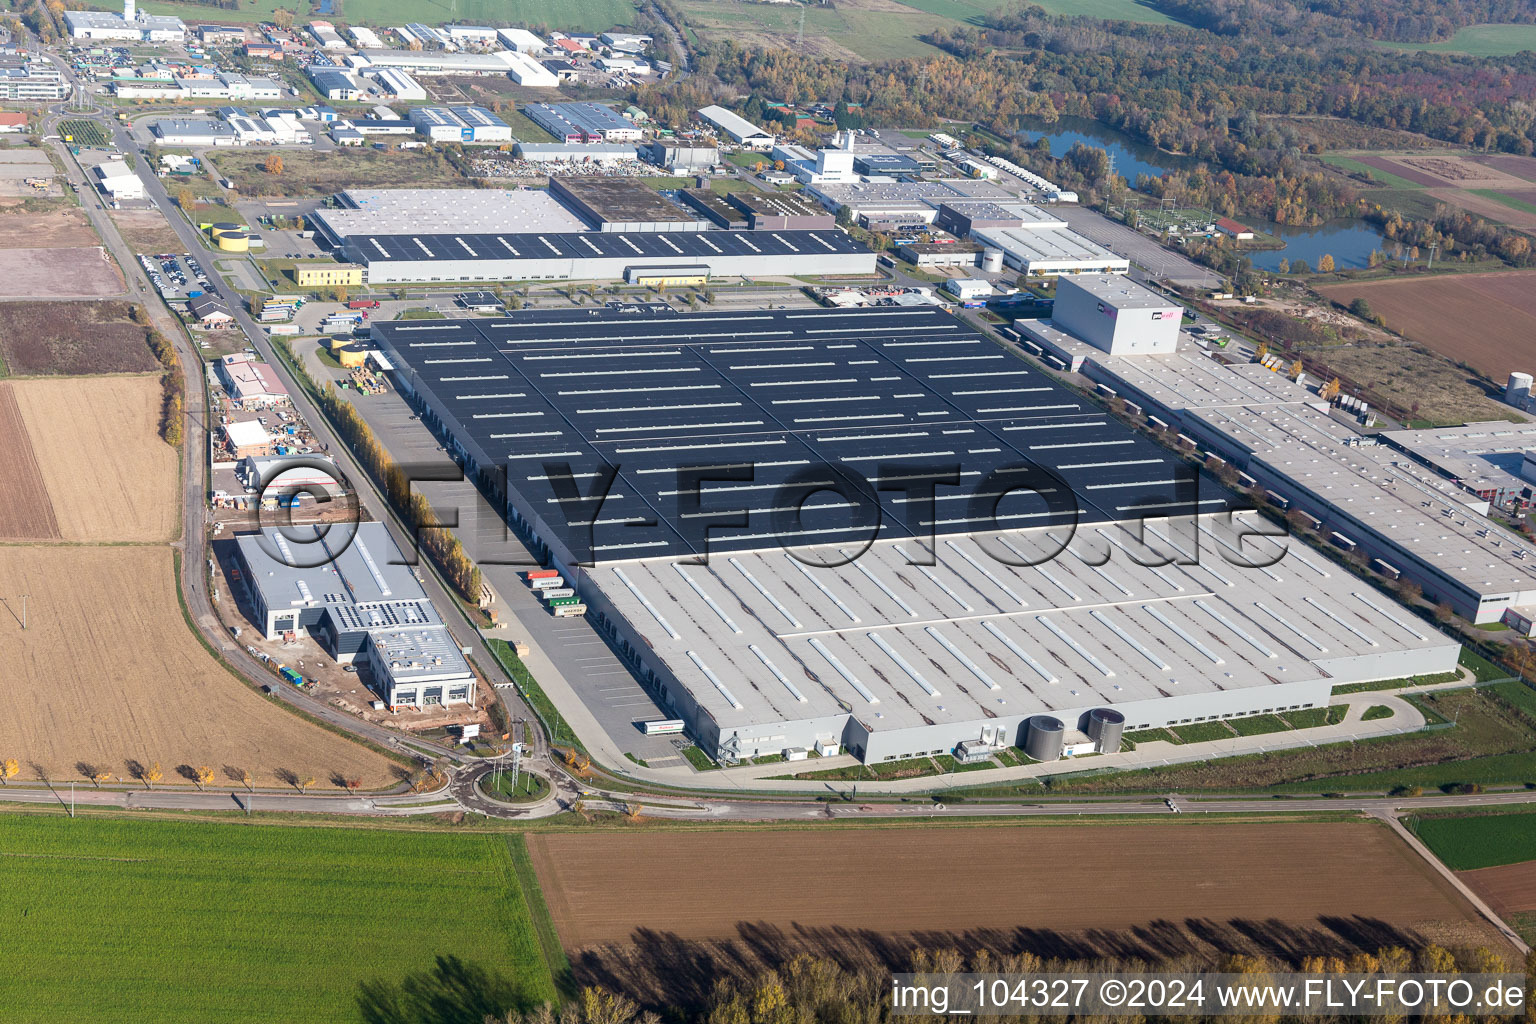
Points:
[[235, 241], [217, 230], [1518, 391], [1045, 738], [351, 356], [1105, 727], [992, 261]]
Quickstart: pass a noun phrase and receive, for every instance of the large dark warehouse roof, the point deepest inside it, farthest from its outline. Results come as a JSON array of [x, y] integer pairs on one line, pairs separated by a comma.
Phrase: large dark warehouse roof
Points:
[[801, 395], [681, 246]]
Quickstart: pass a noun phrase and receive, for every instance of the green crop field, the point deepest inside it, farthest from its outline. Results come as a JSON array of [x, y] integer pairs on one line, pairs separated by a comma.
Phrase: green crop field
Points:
[[84, 132], [1510, 201], [1481, 840], [113, 920], [1479, 41], [570, 15]]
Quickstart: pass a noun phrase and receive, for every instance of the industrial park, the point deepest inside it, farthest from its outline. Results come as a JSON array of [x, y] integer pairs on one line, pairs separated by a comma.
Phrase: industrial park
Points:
[[583, 507]]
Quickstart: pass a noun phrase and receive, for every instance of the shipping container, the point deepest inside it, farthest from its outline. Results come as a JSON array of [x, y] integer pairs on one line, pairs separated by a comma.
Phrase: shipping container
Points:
[[542, 574], [551, 594], [663, 727], [560, 601], [566, 611], [363, 304], [547, 582]]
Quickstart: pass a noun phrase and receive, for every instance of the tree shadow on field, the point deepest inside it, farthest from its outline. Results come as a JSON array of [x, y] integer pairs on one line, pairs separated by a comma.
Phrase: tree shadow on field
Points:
[[187, 772], [338, 780], [234, 774], [286, 776], [662, 969], [452, 992]]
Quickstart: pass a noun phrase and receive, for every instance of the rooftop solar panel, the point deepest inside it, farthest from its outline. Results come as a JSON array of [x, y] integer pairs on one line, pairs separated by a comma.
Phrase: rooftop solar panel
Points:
[[790, 415]]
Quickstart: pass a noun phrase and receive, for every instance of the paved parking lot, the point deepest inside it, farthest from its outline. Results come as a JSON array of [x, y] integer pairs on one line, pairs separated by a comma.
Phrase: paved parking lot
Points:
[[1161, 263]]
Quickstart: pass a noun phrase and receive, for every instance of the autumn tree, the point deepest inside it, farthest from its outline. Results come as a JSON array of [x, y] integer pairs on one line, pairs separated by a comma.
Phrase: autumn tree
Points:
[[353, 784], [151, 775], [247, 781], [274, 164], [204, 775], [8, 770], [186, 198], [283, 19], [1325, 263], [100, 777], [306, 782]]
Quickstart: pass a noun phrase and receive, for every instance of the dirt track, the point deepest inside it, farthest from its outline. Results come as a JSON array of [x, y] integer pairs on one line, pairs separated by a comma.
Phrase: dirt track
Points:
[[25, 511], [712, 886], [1485, 320], [1509, 889], [109, 475], [108, 673]]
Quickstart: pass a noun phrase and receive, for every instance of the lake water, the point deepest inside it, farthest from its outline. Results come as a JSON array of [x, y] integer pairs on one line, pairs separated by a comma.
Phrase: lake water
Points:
[[1349, 241]]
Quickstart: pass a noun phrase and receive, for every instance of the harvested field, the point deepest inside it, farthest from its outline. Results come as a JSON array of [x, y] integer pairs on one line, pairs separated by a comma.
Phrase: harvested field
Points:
[[47, 338], [1519, 166], [1457, 171], [1488, 207], [25, 511], [108, 474], [57, 229], [1382, 163], [107, 675], [1200, 878], [1485, 320], [65, 272], [1509, 889]]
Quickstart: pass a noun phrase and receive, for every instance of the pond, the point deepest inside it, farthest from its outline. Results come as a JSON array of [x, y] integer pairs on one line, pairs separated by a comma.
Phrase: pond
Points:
[[1348, 240]]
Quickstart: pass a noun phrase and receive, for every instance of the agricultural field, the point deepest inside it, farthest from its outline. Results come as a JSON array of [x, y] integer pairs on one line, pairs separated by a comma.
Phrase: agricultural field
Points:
[[195, 922], [26, 513], [72, 338], [871, 29], [1487, 321], [311, 174], [1495, 854], [84, 132], [1499, 189], [107, 474], [569, 15], [1479, 41], [1466, 842], [630, 897], [115, 680]]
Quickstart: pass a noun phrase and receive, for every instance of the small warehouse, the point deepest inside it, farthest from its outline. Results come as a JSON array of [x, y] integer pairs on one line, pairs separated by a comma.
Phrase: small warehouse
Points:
[[247, 437], [1117, 315]]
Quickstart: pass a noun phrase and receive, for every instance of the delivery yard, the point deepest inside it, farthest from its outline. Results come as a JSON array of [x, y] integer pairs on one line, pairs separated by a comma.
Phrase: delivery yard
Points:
[[38, 338], [1198, 883], [1487, 321], [114, 680]]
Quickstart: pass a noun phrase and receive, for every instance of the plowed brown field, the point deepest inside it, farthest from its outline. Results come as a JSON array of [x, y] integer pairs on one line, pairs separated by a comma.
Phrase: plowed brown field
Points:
[[1509, 888], [109, 475], [609, 888], [25, 511], [1485, 320], [107, 673]]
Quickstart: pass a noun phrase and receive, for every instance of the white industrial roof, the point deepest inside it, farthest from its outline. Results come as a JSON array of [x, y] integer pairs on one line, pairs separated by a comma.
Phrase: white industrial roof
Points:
[[1047, 245], [244, 433], [760, 637], [1120, 291], [734, 124], [1482, 456], [1383, 489], [447, 211]]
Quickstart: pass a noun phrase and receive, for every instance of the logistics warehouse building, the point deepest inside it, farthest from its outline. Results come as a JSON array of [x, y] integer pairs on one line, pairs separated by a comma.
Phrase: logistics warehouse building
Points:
[[603, 256], [883, 652]]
